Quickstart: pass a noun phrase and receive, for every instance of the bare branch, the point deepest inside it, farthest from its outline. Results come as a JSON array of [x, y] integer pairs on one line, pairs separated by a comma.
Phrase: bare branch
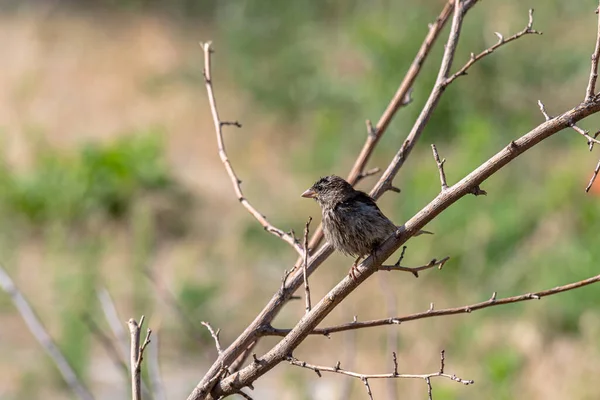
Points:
[[289, 239], [305, 266], [590, 140], [400, 99], [440, 166], [385, 182], [137, 356], [337, 369], [593, 178], [41, 335], [215, 336], [213, 385], [501, 42], [591, 88], [430, 313], [415, 270]]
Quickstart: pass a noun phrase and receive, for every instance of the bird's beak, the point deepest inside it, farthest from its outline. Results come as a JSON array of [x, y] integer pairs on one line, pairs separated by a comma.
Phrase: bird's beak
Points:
[[309, 194]]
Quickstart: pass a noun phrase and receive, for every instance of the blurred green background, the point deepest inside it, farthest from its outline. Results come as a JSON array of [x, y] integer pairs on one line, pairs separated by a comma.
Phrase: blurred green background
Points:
[[109, 178]]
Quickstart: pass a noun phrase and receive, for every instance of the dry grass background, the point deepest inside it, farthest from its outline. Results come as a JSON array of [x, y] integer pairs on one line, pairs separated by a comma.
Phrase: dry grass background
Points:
[[73, 76]]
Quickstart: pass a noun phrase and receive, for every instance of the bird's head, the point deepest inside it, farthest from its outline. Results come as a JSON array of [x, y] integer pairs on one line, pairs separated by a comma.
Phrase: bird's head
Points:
[[329, 190]]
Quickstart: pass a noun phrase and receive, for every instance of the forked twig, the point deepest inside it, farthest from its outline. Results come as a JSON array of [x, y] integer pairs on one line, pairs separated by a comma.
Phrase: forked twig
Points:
[[337, 369], [501, 42], [137, 356]]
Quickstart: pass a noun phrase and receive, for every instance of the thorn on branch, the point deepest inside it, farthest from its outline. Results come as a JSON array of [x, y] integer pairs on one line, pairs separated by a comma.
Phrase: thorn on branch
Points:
[[371, 131], [440, 166], [543, 110], [414, 270], [231, 123], [477, 191]]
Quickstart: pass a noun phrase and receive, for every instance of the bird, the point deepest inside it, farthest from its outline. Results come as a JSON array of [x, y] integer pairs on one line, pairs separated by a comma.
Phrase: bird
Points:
[[352, 222]]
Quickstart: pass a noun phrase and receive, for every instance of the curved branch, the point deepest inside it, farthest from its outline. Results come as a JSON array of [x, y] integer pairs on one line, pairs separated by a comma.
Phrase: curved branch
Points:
[[431, 313], [448, 197], [286, 237]]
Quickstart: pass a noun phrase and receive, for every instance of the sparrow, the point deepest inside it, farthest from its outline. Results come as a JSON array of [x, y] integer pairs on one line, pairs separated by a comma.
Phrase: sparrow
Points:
[[352, 222]]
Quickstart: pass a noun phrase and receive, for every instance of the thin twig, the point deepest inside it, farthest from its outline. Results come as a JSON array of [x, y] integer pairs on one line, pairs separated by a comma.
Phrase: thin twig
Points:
[[590, 140], [415, 270], [215, 336], [593, 178], [212, 386], [440, 166], [305, 266], [385, 181], [501, 42], [430, 313], [41, 335], [591, 87], [279, 299], [337, 369], [137, 356], [236, 183]]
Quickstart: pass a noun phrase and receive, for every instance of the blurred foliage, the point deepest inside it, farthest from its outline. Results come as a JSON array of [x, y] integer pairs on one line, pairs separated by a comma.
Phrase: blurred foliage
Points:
[[321, 69], [99, 180]]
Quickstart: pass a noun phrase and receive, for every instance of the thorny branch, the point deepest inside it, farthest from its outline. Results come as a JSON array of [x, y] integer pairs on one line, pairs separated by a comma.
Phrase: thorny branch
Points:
[[415, 270], [400, 99], [235, 181], [501, 42], [590, 140], [214, 384], [137, 356], [337, 369], [431, 312]]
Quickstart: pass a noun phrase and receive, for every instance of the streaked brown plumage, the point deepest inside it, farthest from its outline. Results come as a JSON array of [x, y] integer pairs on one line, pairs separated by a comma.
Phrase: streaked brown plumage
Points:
[[352, 222]]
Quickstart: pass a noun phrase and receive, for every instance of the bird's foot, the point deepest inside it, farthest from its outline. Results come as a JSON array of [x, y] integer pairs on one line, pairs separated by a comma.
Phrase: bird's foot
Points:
[[353, 271]]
